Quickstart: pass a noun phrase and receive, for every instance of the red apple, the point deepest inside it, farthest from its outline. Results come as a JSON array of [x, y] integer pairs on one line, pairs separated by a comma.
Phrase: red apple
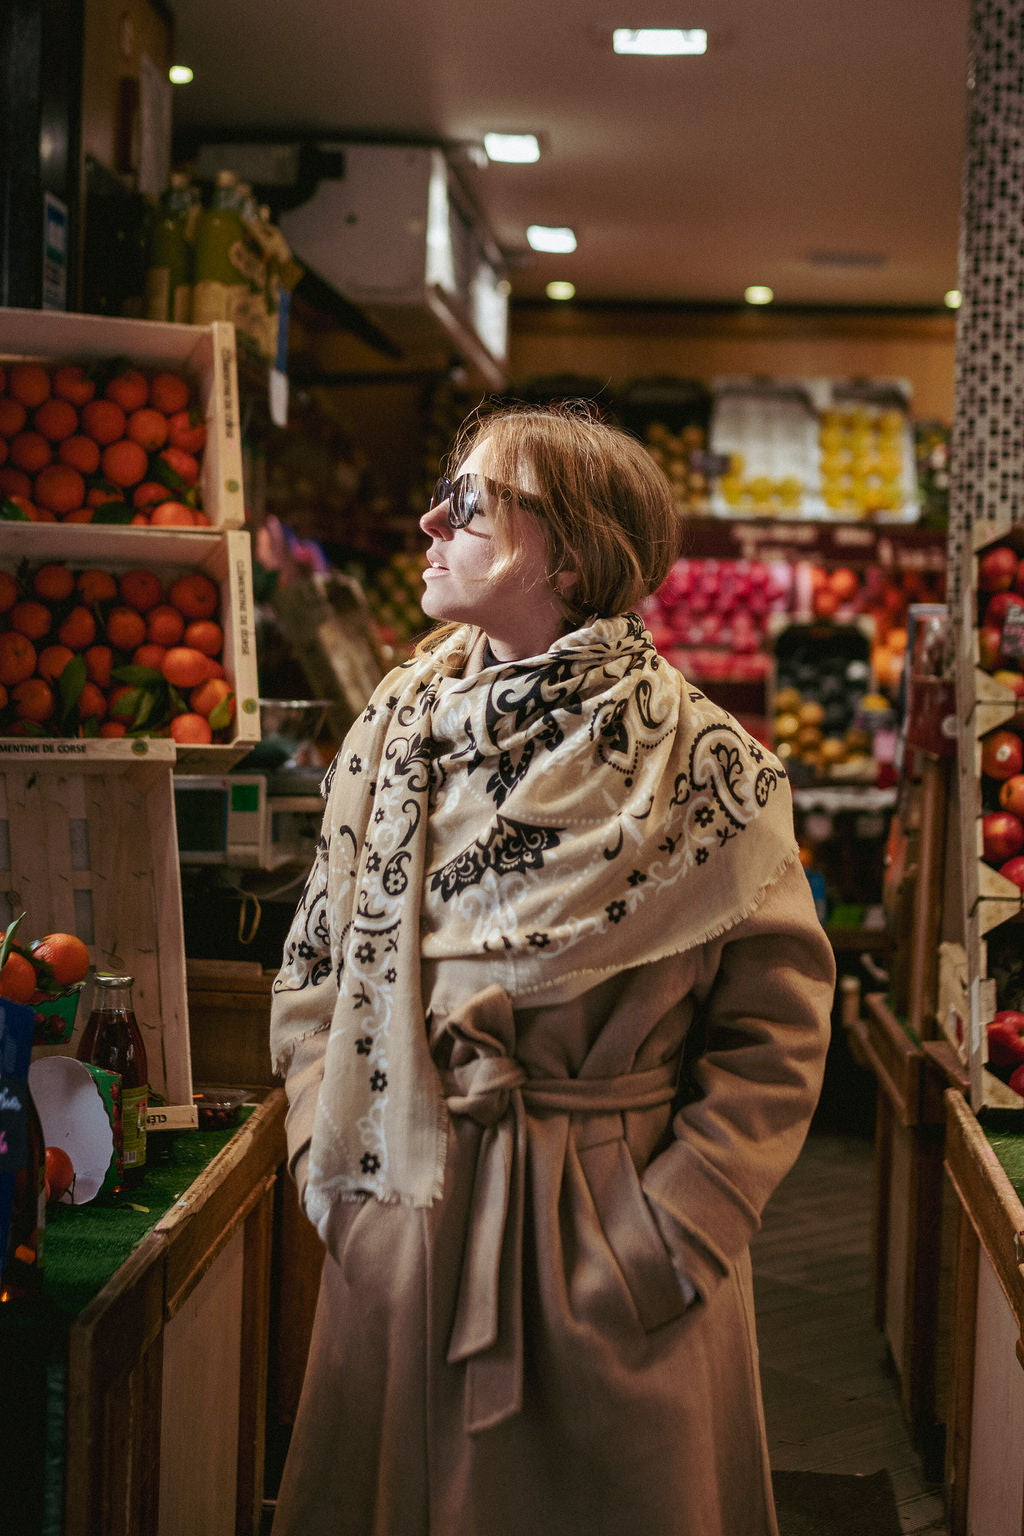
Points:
[[1006, 1039], [1011, 794], [997, 606], [1002, 755], [1012, 680], [990, 640], [1002, 835], [1017, 1080], [997, 568], [1013, 870]]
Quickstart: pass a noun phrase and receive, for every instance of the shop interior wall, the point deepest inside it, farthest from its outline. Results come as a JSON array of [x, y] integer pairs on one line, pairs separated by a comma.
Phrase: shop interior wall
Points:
[[621, 344]]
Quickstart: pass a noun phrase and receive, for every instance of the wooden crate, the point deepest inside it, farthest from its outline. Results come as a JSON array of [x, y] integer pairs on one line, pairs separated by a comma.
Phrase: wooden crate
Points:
[[989, 899], [204, 354], [88, 846], [225, 557]]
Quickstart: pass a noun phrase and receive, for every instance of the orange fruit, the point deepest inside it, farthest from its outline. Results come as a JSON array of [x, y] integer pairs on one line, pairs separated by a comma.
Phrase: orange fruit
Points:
[[3, 696], [8, 591], [168, 392], [184, 667], [31, 618], [111, 728], [192, 729], [149, 655], [126, 629], [73, 384], [149, 494], [56, 420], [59, 1172], [41, 514], [140, 520], [98, 496], [29, 383], [18, 979], [3, 450], [206, 636], [172, 514], [208, 695], [17, 658], [148, 428], [124, 463], [59, 487], [96, 586], [79, 515], [52, 661], [92, 703], [99, 659], [185, 465], [141, 590], [13, 416], [30, 451], [187, 430], [14, 482], [33, 700], [81, 453], [66, 956], [103, 421], [164, 625], [129, 389], [195, 595], [53, 582], [78, 630]]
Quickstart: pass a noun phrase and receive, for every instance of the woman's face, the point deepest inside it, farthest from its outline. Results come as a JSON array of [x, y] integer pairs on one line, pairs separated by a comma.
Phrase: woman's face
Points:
[[517, 610]]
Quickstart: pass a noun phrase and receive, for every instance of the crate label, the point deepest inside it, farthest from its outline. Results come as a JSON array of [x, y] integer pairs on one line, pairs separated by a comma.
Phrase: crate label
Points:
[[13, 1124], [227, 380], [242, 598], [54, 747], [1012, 643]]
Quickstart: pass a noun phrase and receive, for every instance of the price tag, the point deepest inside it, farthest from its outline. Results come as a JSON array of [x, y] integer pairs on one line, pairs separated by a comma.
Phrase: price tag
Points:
[[1012, 643], [13, 1124]]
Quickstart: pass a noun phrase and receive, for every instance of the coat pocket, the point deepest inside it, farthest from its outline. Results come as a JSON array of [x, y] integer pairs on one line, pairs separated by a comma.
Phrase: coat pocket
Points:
[[632, 1232]]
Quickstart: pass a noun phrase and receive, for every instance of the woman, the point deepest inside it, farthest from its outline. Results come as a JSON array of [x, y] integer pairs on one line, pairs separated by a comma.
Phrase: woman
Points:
[[552, 1019]]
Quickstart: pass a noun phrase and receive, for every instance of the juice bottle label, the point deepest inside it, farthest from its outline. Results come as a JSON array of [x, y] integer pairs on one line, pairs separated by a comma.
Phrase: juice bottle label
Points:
[[134, 1103]]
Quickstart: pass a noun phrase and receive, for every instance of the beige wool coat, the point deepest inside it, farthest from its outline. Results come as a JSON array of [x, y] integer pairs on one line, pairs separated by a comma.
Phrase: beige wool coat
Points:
[[565, 1342]]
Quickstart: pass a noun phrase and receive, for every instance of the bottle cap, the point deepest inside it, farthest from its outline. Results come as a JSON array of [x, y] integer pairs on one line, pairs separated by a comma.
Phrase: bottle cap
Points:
[[103, 979]]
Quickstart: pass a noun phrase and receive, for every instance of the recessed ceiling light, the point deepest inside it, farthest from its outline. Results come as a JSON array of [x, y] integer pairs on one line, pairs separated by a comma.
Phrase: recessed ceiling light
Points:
[[180, 74], [660, 40], [757, 293], [544, 237], [512, 148], [560, 290], [953, 299]]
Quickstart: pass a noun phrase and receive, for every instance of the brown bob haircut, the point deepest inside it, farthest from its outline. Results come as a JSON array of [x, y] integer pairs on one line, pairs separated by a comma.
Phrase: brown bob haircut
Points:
[[604, 505]]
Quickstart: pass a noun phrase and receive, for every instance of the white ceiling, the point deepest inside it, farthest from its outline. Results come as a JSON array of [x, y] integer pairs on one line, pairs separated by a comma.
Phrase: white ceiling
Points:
[[811, 127]]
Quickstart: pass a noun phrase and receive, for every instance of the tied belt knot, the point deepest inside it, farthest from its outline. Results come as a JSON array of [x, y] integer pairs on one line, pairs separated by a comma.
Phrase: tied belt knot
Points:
[[495, 1090]]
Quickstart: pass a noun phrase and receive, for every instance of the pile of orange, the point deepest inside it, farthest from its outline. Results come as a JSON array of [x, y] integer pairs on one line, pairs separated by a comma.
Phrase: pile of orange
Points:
[[105, 445], [47, 967], [94, 653]]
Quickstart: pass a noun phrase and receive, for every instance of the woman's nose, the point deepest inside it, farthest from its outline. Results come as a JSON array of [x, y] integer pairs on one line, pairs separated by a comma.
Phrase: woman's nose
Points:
[[435, 521]]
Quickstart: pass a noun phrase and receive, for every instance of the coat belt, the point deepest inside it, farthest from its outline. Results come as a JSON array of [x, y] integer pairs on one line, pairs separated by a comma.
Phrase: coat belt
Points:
[[496, 1091]]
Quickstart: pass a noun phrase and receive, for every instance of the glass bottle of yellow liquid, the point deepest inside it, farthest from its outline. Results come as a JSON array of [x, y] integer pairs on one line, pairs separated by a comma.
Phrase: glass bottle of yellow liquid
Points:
[[220, 289], [169, 270]]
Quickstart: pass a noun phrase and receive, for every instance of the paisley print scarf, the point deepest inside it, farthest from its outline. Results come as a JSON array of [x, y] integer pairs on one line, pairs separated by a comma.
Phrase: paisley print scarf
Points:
[[539, 824]]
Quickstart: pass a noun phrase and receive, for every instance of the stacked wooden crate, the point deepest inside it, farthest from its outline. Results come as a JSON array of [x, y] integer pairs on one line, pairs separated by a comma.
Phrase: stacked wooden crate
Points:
[[88, 842]]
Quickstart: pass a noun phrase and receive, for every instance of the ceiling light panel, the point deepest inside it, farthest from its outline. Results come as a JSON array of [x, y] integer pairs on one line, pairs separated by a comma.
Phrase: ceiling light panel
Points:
[[512, 148], [545, 237], [660, 42]]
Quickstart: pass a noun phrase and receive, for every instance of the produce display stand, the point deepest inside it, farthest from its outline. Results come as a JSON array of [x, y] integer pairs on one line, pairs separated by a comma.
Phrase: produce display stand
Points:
[[989, 899], [133, 1399], [985, 1444]]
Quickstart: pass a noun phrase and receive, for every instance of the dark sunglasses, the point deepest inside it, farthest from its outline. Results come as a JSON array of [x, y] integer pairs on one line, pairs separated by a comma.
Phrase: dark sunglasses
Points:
[[466, 496]]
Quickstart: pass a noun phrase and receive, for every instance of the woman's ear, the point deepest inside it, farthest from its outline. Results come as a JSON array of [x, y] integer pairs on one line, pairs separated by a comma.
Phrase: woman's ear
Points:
[[565, 581]]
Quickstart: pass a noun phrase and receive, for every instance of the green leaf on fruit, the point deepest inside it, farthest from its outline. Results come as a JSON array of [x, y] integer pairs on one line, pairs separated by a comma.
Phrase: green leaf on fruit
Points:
[[113, 512], [69, 686], [10, 512], [138, 677], [163, 474], [8, 940], [222, 713]]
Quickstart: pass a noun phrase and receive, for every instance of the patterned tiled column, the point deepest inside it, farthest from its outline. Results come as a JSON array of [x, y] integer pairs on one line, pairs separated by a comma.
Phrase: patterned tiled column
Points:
[[988, 427]]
